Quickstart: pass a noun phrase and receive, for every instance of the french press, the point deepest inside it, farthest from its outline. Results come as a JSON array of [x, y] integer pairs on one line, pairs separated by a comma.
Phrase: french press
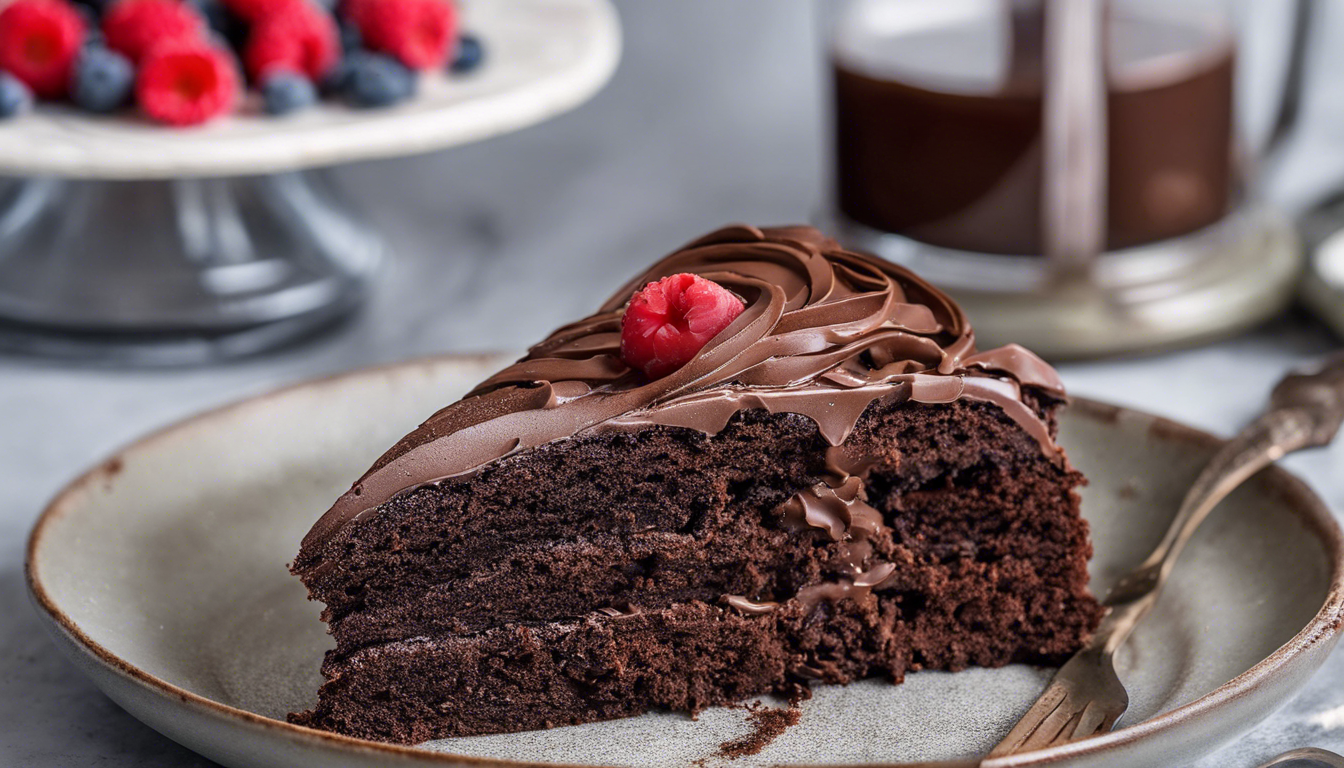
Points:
[[1072, 171]]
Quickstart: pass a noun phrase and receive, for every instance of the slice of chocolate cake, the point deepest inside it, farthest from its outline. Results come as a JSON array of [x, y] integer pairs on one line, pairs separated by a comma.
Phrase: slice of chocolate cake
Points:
[[781, 464]]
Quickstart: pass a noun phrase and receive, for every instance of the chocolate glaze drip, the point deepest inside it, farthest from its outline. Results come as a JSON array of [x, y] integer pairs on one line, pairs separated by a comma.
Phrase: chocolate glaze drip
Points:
[[839, 506], [751, 607], [825, 333]]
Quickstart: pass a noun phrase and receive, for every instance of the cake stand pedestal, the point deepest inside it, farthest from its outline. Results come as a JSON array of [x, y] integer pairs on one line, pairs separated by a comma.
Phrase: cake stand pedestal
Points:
[[126, 242], [176, 272]]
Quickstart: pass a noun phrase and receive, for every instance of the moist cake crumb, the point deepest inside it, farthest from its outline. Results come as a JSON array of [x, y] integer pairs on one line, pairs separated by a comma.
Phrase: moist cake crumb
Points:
[[767, 724]]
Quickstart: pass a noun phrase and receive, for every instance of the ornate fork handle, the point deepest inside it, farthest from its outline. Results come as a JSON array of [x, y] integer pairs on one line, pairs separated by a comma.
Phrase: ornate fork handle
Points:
[[1306, 410], [1086, 697]]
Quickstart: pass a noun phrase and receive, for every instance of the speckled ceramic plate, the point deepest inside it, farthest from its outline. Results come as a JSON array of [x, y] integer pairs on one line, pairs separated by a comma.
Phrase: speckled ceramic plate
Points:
[[162, 574], [544, 57]]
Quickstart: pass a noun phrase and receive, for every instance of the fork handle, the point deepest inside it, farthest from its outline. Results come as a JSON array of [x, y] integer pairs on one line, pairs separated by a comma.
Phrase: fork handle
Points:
[[1306, 758], [1306, 410]]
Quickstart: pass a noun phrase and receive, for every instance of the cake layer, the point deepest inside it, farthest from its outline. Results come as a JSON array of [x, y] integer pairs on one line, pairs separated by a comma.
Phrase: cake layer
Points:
[[688, 657], [449, 576]]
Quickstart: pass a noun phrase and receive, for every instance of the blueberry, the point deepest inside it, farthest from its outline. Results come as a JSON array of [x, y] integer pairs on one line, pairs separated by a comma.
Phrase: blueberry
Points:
[[283, 92], [469, 55], [375, 80], [93, 37], [351, 39], [335, 81], [102, 79], [15, 97]]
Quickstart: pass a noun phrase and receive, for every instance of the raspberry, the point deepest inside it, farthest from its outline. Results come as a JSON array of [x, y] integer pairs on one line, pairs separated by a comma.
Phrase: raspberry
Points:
[[354, 11], [419, 32], [303, 38], [260, 10], [39, 40], [133, 27], [670, 321], [185, 83]]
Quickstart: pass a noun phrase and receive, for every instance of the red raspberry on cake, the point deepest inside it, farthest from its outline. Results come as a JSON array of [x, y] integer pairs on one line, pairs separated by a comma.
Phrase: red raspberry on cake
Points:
[[39, 40], [421, 33], [301, 38], [133, 27], [670, 321], [186, 83]]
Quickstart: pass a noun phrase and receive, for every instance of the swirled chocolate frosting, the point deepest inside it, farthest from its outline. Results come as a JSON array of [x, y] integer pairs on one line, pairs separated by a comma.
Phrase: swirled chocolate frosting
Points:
[[825, 333]]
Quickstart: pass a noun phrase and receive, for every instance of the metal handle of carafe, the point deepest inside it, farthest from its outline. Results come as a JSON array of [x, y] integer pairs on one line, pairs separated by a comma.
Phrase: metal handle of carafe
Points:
[[1074, 136], [1294, 80]]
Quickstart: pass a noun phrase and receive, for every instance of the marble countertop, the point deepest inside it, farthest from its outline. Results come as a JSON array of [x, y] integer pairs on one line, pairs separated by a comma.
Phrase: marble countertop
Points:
[[497, 243]]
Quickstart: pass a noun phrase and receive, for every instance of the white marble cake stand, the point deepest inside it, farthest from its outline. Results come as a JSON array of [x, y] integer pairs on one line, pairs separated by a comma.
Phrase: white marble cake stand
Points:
[[124, 241]]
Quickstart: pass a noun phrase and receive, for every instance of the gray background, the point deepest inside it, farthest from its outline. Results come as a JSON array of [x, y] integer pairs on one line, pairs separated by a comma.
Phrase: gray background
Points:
[[714, 116]]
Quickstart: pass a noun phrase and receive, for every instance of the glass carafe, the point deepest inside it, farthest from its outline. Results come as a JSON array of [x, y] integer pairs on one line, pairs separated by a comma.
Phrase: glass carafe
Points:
[[1054, 156]]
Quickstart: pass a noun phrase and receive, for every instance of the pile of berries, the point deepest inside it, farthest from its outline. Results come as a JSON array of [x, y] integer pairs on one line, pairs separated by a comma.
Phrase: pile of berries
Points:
[[184, 62]]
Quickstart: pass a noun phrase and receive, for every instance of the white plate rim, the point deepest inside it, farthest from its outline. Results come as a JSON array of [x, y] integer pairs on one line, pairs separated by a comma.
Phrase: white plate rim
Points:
[[1309, 646]]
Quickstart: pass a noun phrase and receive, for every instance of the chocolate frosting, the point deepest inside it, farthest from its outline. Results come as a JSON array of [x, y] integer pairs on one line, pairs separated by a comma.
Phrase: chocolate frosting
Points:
[[825, 333]]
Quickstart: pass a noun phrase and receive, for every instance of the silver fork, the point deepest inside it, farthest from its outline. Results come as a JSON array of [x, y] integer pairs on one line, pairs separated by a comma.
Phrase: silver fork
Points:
[[1306, 758], [1086, 697]]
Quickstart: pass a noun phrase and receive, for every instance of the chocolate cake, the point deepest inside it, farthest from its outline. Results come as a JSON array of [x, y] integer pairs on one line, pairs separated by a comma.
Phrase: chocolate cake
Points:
[[836, 486]]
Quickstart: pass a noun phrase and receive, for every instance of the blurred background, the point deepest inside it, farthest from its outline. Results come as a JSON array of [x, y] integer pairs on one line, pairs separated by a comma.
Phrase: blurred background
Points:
[[722, 112]]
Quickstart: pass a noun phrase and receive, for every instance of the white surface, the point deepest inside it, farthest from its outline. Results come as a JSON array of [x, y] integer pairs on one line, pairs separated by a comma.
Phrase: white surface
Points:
[[186, 581], [543, 58], [713, 116]]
